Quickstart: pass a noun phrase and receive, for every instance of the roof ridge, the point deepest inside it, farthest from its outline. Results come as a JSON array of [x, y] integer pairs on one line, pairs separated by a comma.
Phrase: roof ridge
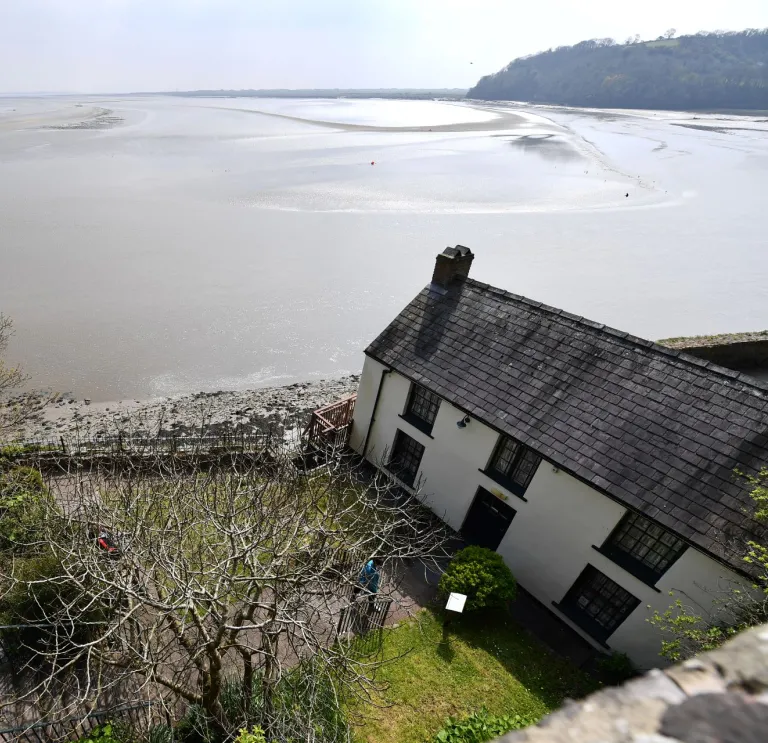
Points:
[[680, 355]]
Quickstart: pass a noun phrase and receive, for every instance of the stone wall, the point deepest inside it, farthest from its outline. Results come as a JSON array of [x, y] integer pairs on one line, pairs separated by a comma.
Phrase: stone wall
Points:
[[738, 356], [741, 351], [718, 697]]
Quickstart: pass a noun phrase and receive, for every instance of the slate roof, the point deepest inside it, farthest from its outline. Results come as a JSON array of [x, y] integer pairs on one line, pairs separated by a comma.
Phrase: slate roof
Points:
[[653, 428]]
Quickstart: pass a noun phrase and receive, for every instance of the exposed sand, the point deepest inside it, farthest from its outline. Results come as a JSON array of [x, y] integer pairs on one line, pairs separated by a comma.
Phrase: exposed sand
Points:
[[281, 410], [56, 114], [504, 120]]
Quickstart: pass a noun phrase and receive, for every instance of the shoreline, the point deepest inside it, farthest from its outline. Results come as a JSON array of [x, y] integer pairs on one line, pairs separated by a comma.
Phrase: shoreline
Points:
[[279, 410]]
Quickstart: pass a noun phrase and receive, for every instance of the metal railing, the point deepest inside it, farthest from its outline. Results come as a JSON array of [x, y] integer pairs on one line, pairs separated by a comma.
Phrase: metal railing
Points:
[[135, 443], [124, 443], [73, 728], [363, 614]]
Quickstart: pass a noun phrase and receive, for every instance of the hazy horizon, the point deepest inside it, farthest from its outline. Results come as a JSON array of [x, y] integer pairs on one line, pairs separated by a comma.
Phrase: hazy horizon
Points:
[[125, 46]]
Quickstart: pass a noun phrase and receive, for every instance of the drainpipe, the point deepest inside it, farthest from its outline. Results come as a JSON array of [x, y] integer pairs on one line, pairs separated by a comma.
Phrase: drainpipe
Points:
[[373, 414]]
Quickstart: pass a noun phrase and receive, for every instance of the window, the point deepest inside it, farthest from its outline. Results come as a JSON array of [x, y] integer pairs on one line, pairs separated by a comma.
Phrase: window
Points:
[[422, 408], [597, 604], [513, 465], [406, 458], [642, 548]]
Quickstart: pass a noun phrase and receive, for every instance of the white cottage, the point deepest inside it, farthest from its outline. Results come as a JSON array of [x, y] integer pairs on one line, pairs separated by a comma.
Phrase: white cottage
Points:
[[600, 465]]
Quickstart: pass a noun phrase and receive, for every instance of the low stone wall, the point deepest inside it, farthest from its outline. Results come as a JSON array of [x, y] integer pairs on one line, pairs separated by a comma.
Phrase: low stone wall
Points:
[[738, 356], [741, 352], [718, 697]]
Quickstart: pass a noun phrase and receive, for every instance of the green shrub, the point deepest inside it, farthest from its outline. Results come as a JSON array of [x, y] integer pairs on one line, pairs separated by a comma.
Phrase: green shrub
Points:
[[482, 576], [22, 508], [40, 604], [13, 451], [195, 727], [160, 734], [18, 482], [107, 733], [306, 706], [255, 735], [479, 727], [616, 668]]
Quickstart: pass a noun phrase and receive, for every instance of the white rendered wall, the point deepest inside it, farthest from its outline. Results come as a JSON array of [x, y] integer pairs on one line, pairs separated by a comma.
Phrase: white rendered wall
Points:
[[366, 397], [550, 540]]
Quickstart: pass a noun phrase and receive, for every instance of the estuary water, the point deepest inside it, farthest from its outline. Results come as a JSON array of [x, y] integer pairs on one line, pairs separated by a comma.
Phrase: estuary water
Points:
[[157, 245]]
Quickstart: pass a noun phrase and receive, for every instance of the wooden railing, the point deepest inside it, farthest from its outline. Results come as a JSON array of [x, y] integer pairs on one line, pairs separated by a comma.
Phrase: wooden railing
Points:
[[332, 424]]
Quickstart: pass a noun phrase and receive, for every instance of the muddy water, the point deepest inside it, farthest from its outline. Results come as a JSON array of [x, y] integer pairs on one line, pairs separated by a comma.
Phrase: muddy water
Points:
[[153, 246]]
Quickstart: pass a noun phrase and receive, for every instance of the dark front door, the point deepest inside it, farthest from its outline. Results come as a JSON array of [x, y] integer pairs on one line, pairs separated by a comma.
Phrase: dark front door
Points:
[[487, 520]]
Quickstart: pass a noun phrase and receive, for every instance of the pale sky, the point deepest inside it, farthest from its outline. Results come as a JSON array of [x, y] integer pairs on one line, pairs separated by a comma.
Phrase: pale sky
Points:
[[112, 46]]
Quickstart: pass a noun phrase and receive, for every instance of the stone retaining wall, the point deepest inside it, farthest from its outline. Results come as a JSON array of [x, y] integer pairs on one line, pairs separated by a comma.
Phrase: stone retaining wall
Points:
[[739, 356], [738, 351], [718, 697]]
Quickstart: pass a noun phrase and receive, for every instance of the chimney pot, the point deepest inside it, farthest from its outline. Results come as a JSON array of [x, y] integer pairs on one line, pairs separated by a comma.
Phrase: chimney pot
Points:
[[452, 263]]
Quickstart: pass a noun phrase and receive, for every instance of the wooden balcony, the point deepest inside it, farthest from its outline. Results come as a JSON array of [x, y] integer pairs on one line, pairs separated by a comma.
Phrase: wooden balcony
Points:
[[332, 424]]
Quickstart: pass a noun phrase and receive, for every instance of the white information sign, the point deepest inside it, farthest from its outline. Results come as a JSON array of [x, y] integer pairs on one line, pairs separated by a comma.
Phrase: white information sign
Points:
[[456, 602]]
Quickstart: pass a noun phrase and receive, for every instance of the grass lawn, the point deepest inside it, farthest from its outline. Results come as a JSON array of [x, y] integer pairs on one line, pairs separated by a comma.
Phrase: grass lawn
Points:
[[487, 662]]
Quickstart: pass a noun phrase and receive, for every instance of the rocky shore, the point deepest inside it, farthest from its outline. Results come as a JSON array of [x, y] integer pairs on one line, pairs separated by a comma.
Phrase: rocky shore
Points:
[[280, 410]]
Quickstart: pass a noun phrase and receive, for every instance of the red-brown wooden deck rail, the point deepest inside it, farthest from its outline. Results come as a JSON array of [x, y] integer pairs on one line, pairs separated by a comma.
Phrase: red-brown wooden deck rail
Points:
[[332, 424]]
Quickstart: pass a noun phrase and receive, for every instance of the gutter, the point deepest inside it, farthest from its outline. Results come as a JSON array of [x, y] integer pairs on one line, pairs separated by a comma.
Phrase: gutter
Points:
[[373, 414]]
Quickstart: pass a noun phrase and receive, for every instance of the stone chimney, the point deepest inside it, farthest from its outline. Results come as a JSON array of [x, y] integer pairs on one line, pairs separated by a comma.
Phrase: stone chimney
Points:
[[450, 264]]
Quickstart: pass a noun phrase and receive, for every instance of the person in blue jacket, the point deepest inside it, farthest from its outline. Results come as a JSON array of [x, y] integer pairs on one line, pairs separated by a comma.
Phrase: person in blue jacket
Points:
[[369, 579]]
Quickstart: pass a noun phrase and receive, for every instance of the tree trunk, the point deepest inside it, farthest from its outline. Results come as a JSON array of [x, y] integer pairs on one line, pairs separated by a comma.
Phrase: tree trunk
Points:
[[269, 680], [211, 702], [247, 687]]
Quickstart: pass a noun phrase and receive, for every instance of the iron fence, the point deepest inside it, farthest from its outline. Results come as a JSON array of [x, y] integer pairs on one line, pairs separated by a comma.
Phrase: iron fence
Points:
[[72, 728], [166, 442], [364, 614]]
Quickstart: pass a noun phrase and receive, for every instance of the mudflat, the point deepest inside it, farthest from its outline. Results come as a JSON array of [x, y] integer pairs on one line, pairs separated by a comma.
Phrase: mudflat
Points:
[[160, 246]]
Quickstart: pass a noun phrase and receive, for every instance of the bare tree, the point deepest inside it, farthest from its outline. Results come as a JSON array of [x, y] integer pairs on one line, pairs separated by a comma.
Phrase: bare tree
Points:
[[14, 410], [670, 33], [11, 377], [185, 572]]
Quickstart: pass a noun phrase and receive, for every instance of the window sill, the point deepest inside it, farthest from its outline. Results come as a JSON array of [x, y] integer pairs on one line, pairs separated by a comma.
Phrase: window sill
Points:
[[503, 483], [643, 580], [568, 615], [401, 483], [418, 424]]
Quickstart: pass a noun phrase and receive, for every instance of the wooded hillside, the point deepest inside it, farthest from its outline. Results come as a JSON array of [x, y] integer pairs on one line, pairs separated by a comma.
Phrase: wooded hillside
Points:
[[705, 71]]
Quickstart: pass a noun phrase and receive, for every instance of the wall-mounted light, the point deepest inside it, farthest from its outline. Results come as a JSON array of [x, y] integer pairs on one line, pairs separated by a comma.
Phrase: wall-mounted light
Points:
[[463, 422]]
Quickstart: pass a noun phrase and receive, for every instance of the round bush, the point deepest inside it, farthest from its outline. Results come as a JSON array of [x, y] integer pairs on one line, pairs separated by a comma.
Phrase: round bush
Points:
[[482, 576]]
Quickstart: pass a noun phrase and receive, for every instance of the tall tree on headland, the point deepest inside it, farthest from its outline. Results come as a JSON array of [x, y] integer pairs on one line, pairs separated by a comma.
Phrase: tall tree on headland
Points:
[[715, 70]]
